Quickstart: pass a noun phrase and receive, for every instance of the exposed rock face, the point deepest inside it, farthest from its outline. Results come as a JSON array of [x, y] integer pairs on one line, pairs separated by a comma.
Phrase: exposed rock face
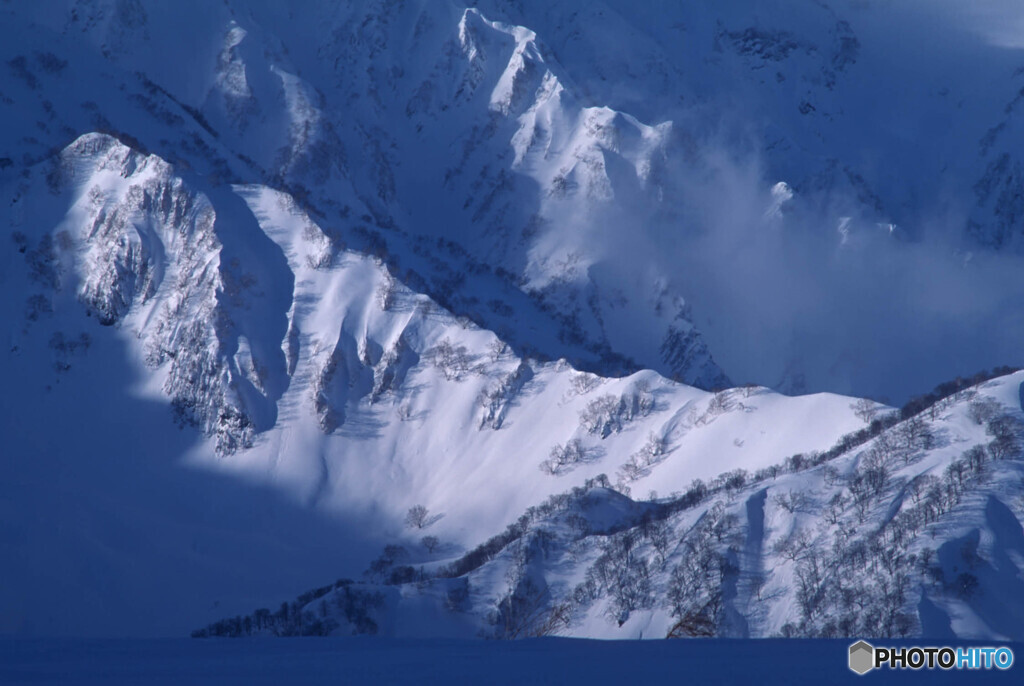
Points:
[[146, 256]]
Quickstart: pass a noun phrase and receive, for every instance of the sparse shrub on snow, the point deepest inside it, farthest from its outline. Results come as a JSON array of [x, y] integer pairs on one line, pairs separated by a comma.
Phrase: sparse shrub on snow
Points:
[[564, 457], [497, 399], [455, 362], [609, 414], [640, 463], [983, 410]]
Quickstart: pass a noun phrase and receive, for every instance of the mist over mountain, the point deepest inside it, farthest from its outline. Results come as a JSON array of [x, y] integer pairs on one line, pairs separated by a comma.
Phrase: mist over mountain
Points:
[[600, 319]]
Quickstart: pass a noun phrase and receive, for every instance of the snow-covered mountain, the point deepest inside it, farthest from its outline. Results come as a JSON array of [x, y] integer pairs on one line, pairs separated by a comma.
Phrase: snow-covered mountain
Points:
[[278, 281], [909, 527], [307, 366]]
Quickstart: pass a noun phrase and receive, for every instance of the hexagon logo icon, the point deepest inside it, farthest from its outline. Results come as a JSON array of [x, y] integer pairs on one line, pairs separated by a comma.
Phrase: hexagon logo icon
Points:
[[862, 657]]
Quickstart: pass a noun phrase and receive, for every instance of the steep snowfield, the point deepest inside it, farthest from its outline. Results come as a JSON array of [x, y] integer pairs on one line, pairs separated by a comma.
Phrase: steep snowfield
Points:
[[311, 371], [916, 531], [902, 163], [600, 169]]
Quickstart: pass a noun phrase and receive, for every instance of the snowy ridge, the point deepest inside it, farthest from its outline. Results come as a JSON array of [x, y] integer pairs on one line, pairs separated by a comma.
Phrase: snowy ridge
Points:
[[914, 533], [587, 164], [316, 372], [142, 243], [535, 145]]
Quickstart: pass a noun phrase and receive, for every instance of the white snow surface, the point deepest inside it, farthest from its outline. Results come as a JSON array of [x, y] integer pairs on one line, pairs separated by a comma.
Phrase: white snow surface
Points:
[[357, 416]]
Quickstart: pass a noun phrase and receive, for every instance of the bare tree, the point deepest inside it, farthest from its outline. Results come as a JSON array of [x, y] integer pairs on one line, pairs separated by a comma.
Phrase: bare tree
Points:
[[416, 517], [793, 547], [562, 458], [1005, 431], [792, 501], [583, 382], [983, 410], [831, 475], [914, 435], [498, 348], [431, 543], [865, 410], [835, 509], [454, 362]]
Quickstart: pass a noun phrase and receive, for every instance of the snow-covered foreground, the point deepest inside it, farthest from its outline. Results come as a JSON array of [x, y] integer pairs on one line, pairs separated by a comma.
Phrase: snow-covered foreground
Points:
[[376, 661], [911, 527]]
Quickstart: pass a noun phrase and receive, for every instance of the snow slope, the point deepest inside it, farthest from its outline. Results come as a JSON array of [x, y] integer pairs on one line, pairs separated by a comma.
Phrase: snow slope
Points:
[[915, 531], [306, 368]]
